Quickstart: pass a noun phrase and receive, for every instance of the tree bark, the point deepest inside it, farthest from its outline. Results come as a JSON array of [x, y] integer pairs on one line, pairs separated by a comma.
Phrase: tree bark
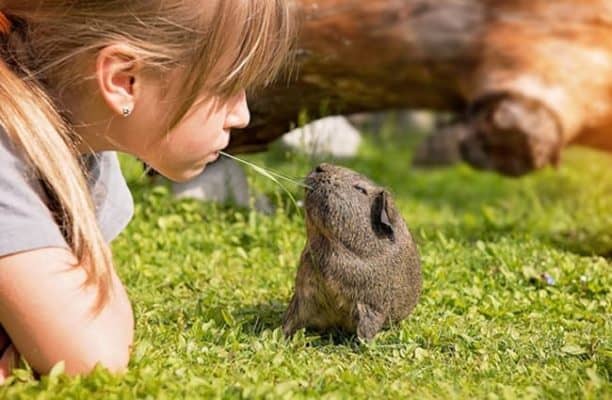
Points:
[[530, 76]]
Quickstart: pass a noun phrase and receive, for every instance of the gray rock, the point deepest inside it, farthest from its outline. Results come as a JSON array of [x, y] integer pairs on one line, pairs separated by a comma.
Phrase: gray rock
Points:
[[420, 120], [331, 136], [223, 181]]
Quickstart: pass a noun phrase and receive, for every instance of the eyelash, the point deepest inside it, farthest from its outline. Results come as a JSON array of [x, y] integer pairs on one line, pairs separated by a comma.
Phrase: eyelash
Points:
[[361, 189]]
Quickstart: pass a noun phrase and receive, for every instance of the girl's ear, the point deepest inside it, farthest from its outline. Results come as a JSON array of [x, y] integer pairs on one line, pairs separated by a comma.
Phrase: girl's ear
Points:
[[117, 73]]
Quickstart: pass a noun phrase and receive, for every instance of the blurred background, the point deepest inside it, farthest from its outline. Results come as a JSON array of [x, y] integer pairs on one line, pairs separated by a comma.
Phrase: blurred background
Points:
[[503, 86]]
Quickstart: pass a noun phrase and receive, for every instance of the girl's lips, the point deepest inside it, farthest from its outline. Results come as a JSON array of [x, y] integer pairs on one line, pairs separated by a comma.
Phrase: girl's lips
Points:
[[213, 156]]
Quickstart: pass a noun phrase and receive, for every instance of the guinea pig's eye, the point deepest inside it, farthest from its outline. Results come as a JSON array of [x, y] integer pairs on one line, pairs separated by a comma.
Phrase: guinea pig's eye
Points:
[[361, 189]]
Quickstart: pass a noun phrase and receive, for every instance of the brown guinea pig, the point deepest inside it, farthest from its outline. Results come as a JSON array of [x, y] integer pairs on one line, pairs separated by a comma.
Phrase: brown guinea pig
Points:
[[360, 268]]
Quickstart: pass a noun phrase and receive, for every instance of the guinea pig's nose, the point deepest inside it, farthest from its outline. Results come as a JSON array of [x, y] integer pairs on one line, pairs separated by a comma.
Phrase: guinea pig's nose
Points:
[[321, 168]]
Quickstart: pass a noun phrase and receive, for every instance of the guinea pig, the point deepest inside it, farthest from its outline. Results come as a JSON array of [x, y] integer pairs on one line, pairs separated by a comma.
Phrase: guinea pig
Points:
[[360, 269]]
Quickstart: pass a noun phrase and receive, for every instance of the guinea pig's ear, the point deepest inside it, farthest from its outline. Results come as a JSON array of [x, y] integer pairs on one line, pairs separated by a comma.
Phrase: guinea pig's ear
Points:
[[387, 214]]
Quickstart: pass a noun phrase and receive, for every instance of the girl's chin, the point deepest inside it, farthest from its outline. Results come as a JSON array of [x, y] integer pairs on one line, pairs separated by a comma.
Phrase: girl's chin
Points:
[[193, 170], [186, 174]]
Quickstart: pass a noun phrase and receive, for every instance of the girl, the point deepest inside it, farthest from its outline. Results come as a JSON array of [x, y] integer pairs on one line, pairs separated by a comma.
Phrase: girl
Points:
[[163, 80]]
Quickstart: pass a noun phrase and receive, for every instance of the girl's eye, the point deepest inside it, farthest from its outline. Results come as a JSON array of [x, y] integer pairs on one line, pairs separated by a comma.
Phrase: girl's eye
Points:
[[361, 189]]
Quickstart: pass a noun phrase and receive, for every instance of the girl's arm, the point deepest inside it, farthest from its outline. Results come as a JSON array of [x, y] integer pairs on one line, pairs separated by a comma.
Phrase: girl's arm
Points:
[[49, 314]]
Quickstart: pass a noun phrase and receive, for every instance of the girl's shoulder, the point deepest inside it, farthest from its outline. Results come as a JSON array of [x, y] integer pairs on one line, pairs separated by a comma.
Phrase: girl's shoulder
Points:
[[26, 223]]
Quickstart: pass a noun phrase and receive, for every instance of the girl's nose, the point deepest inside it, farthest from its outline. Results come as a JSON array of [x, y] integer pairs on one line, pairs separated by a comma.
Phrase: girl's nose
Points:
[[238, 115]]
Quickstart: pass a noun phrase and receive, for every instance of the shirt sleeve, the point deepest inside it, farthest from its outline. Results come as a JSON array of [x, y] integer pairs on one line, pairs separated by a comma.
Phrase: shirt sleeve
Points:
[[26, 223], [25, 220]]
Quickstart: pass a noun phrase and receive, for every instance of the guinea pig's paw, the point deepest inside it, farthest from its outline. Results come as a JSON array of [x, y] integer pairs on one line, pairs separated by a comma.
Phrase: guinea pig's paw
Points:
[[369, 321], [291, 320], [290, 326]]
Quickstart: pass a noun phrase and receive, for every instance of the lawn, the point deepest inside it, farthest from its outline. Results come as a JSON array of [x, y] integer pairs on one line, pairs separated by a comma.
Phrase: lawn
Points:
[[516, 300]]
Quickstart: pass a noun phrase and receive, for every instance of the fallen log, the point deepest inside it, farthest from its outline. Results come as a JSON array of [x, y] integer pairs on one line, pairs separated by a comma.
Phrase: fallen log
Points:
[[530, 76]]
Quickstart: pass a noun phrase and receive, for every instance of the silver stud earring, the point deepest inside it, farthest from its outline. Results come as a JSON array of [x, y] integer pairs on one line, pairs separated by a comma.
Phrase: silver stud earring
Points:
[[127, 111]]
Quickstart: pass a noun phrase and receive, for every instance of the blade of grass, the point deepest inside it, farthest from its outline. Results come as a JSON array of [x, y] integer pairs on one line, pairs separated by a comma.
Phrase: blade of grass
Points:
[[270, 175], [268, 171]]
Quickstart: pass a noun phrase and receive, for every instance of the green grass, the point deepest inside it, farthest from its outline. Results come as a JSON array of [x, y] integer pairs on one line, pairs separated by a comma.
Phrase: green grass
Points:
[[209, 285]]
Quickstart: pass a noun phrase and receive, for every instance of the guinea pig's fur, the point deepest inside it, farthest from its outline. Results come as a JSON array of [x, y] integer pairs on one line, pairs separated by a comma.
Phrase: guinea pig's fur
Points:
[[360, 268]]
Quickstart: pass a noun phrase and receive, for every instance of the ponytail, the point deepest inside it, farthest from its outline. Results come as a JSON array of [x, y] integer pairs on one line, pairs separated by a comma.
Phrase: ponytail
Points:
[[31, 122]]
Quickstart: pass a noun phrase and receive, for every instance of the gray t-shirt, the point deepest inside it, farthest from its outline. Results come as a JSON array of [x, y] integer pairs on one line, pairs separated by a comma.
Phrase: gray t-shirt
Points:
[[26, 223]]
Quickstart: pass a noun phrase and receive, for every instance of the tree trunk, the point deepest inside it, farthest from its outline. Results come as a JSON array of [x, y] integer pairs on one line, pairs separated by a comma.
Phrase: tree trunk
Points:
[[530, 76]]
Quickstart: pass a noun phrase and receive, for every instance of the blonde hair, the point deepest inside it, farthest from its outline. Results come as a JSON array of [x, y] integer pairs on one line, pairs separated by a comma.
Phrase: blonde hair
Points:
[[43, 53]]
